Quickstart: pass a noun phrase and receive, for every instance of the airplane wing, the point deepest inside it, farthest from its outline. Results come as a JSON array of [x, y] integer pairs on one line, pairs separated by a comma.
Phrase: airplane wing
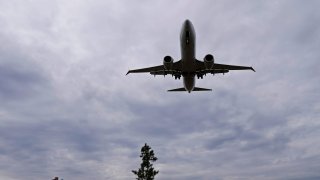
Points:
[[231, 67], [219, 68], [158, 70]]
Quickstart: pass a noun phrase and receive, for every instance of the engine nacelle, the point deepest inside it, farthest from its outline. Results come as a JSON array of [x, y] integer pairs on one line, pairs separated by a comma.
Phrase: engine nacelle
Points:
[[167, 62], [208, 61]]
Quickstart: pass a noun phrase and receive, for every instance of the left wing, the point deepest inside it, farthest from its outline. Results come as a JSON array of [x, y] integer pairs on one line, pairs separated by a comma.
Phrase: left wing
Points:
[[158, 70]]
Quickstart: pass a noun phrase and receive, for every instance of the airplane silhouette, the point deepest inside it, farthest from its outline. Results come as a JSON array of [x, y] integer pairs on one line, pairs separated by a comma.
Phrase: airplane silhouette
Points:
[[189, 67]]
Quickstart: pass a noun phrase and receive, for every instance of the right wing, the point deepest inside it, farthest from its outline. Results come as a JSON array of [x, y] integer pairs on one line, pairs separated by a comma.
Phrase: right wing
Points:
[[158, 70], [231, 67], [219, 68]]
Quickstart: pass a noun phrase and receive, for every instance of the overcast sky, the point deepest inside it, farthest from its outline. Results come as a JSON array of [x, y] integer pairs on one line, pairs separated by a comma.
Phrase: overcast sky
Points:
[[68, 110]]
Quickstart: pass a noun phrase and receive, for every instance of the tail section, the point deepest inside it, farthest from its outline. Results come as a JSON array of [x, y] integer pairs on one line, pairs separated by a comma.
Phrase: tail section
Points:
[[194, 89]]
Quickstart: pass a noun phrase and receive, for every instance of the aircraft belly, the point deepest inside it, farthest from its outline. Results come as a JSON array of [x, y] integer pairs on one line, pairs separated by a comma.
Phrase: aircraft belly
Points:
[[189, 82], [188, 58], [188, 66]]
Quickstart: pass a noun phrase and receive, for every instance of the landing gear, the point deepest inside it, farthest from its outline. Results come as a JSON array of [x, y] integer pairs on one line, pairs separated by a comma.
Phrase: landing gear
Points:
[[177, 76], [200, 75]]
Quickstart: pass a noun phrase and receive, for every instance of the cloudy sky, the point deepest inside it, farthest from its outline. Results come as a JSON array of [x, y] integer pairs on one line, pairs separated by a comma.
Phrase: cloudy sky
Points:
[[68, 110]]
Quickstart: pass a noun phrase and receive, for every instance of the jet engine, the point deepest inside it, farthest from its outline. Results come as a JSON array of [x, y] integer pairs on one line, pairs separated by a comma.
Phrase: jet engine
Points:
[[167, 62], [208, 61]]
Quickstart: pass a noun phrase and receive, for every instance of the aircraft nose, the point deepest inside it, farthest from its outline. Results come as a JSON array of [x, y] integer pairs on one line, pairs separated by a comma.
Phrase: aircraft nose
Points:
[[187, 23]]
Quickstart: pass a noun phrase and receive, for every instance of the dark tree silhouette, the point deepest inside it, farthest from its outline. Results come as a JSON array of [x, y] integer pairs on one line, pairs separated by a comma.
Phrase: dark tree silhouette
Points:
[[146, 171]]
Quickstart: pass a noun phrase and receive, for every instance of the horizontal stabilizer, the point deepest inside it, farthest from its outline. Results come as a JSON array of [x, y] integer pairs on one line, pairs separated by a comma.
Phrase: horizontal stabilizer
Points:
[[194, 89], [201, 89], [178, 89]]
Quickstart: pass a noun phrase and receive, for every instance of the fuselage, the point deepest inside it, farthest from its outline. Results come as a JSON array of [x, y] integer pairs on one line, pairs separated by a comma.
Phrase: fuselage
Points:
[[188, 52]]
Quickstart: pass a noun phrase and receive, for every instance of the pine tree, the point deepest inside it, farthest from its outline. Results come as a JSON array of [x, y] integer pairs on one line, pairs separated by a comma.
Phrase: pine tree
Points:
[[146, 171]]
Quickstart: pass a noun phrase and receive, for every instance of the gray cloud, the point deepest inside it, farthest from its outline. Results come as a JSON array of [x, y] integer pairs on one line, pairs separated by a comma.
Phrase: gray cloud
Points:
[[68, 110]]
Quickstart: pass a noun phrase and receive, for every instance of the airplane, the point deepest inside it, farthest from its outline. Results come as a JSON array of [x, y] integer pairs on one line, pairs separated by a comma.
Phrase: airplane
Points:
[[189, 67]]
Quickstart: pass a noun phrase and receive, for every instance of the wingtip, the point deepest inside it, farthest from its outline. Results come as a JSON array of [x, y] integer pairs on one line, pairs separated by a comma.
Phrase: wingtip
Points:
[[128, 72], [253, 69]]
